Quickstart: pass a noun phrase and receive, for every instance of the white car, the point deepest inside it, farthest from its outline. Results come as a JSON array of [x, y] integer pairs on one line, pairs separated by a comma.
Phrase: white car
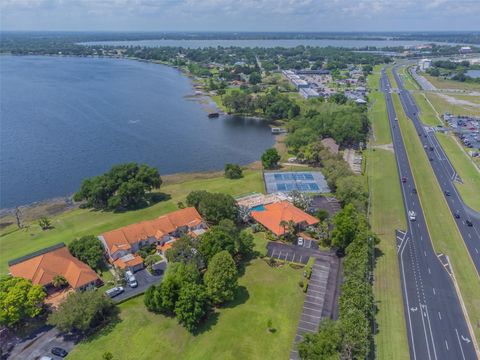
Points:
[[300, 241], [411, 215], [114, 291]]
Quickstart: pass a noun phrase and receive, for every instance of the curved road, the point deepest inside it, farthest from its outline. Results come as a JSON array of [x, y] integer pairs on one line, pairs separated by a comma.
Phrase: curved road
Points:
[[437, 328]]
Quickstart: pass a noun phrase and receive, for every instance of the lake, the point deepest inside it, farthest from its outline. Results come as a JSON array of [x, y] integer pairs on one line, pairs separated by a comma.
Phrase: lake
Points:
[[260, 43], [473, 73], [64, 118]]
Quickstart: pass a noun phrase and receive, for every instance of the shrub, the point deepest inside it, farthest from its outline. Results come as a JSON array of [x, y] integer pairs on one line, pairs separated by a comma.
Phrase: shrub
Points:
[[233, 171]]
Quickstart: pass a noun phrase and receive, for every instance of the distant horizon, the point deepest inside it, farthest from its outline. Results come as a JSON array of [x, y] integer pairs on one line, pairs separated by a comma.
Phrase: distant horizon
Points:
[[240, 16], [249, 31]]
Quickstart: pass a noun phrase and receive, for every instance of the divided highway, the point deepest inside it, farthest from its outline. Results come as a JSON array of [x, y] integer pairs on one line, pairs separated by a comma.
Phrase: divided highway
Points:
[[437, 328], [446, 176]]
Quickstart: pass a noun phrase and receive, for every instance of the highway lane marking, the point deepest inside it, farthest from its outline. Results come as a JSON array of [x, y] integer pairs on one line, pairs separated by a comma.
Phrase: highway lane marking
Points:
[[460, 344], [425, 331], [446, 344], [434, 293], [429, 271], [439, 315]]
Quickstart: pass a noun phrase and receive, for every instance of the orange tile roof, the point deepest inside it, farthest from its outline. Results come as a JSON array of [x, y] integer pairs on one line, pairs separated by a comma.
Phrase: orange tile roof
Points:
[[276, 212], [165, 246], [126, 236], [43, 268], [122, 263]]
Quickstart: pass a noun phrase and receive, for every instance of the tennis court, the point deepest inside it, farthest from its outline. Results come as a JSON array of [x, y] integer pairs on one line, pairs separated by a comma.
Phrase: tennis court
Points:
[[308, 182]]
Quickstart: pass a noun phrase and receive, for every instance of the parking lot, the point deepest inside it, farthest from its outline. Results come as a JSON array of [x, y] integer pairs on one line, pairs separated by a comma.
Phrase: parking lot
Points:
[[293, 253], [144, 280]]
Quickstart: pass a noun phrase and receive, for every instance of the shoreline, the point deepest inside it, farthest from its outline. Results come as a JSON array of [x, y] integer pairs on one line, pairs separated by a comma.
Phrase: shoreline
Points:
[[62, 203]]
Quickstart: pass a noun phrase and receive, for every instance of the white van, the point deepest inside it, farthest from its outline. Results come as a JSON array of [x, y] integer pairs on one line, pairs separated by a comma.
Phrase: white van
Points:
[[130, 278], [114, 291]]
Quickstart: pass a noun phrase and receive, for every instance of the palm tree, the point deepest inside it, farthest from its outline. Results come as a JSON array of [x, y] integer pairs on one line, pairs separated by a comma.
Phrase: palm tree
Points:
[[284, 224], [59, 281]]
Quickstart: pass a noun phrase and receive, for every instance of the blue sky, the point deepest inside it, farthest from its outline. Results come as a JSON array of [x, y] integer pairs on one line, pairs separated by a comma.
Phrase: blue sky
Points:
[[240, 15]]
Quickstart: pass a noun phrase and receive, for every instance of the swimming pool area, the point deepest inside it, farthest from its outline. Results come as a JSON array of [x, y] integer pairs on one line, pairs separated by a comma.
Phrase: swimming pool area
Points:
[[258, 208], [306, 182]]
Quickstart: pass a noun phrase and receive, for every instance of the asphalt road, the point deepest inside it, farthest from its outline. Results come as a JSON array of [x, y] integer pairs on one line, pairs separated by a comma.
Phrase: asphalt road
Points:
[[446, 176], [436, 325]]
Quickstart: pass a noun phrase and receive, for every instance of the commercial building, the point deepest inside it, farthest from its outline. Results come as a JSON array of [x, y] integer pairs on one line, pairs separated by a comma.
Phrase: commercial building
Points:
[[276, 216], [424, 64], [308, 93]]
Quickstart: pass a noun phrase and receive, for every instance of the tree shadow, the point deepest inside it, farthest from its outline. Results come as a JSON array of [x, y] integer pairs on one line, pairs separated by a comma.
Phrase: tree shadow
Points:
[[104, 329], [208, 324], [241, 296]]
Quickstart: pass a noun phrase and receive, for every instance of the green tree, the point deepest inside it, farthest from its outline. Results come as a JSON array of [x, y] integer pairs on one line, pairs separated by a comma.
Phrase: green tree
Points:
[[192, 306], [255, 78], [218, 206], [214, 241], [351, 190], [82, 311], [245, 244], [185, 250], [344, 226], [221, 278], [59, 281], [270, 158], [163, 297], [19, 299], [322, 214], [194, 197], [124, 186], [44, 223], [326, 344], [233, 171], [88, 249], [107, 355]]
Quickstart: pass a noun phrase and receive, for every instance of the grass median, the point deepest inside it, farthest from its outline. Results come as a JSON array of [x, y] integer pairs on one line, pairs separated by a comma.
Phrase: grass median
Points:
[[427, 113], [386, 215], [441, 225], [470, 188]]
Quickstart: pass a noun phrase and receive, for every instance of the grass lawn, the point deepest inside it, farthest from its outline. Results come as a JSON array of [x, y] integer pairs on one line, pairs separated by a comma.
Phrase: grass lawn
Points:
[[237, 331], [450, 84], [386, 215], [442, 106], [72, 224], [470, 189], [391, 78], [408, 81], [379, 118], [427, 113], [442, 228]]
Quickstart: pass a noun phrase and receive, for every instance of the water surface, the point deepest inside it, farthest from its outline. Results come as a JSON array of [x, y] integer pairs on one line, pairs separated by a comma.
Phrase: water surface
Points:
[[64, 118], [289, 43]]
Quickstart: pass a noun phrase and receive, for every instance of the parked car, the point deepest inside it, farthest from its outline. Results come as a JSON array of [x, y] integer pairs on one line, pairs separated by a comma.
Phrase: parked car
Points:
[[59, 352], [412, 215], [46, 358], [130, 278], [300, 241], [468, 222], [114, 291]]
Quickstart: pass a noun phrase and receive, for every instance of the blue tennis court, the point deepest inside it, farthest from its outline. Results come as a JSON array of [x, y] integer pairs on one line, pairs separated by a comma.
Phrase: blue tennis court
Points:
[[312, 181]]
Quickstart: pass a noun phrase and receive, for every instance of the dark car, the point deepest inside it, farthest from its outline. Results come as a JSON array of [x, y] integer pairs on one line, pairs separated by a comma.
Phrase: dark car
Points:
[[468, 222], [457, 215], [414, 191], [447, 193], [431, 159], [59, 352], [431, 148]]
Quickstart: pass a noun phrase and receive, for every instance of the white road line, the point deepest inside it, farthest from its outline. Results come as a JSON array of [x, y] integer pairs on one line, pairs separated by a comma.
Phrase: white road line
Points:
[[312, 309], [308, 322], [446, 344], [439, 315], [308, 330], [434, 293], [460, 344]]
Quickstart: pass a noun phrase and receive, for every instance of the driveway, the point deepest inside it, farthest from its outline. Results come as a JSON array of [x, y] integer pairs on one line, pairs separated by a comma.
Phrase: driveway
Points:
[[144, 280], [42, 344]]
